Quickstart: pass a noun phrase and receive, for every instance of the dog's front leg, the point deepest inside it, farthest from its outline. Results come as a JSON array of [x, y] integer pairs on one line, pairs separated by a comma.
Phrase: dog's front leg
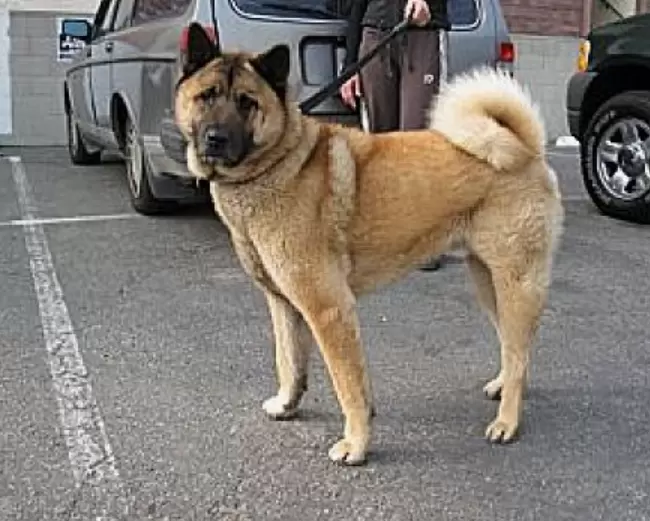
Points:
[[333, 320], [292, 343]]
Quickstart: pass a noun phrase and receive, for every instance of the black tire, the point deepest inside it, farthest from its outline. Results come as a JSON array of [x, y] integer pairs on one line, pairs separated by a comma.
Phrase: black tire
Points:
[[137, 173], [631, 108], [77, 150]]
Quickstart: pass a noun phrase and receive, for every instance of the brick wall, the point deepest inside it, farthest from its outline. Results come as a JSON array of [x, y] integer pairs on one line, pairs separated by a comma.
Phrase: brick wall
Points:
[[544, 17]]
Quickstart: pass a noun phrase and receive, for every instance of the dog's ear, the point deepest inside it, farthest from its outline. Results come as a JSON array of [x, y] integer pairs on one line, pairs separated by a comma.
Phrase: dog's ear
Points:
[[273, 65], [197, 49]]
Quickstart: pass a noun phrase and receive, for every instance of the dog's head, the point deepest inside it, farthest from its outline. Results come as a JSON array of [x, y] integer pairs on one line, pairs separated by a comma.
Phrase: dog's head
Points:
[[230, 106]]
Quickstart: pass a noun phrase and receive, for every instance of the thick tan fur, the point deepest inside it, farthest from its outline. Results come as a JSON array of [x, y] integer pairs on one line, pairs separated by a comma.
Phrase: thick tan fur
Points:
[[320, 214]]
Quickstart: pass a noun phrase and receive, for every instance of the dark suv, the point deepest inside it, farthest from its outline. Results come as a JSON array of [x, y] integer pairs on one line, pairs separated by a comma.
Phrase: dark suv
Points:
[[608, 108]]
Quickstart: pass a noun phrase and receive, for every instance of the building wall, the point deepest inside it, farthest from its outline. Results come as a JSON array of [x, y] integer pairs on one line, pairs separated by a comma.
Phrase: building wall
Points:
[[545, 17], [37, 115], [31, 100], [61, 6], [547, 34], [6, 119], [544, 64]]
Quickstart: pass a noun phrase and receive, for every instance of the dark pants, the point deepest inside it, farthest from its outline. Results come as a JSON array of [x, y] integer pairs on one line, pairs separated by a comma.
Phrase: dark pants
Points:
[[399, 83]]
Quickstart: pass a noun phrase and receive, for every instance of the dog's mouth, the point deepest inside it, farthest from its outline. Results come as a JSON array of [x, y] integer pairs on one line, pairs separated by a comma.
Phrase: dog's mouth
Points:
[[221, 161], [229, 156]]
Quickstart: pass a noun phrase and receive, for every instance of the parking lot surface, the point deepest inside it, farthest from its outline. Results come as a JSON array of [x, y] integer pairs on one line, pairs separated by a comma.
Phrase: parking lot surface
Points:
[[135, 355]]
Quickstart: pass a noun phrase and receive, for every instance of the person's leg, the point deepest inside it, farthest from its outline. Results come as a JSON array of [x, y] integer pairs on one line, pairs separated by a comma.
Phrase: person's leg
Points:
[[424, 69], [379, 85]]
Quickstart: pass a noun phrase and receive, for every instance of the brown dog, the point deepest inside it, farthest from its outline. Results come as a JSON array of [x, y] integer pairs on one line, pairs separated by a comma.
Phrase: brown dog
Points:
[[320, 214]]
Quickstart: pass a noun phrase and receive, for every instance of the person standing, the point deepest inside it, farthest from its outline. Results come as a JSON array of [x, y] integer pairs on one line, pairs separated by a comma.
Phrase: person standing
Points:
[[399, 84]]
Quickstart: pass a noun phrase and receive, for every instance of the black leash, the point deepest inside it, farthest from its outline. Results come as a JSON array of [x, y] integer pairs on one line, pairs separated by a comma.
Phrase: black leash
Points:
[[332, 87], [175, 145]]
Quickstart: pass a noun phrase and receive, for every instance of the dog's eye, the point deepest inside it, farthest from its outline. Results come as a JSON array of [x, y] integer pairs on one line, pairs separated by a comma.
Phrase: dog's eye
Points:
[[208, 95], [245, 102]]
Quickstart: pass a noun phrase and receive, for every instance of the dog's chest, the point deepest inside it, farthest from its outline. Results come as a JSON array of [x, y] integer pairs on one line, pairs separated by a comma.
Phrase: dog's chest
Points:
[[243, 220], [251, 261]]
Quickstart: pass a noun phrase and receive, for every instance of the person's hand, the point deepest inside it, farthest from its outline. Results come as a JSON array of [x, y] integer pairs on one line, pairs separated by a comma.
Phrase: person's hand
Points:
[[350, 91], [417, 11]]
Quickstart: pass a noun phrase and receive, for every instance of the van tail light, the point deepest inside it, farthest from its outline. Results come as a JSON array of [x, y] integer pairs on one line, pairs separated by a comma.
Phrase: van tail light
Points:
[[209, 29], [506, 52]]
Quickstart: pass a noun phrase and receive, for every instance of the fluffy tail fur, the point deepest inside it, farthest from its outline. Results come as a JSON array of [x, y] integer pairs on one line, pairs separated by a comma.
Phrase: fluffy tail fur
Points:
[[491, 116]]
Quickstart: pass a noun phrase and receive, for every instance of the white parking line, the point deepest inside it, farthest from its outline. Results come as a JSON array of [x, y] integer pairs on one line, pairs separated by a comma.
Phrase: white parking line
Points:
[[75, 219], [89, 450]]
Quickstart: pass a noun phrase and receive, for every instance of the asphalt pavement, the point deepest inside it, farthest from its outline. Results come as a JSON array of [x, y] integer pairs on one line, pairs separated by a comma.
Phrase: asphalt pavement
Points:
[[135, 355]]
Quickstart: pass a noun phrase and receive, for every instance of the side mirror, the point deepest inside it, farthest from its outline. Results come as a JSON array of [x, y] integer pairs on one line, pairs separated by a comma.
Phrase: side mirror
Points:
[[77, 29]]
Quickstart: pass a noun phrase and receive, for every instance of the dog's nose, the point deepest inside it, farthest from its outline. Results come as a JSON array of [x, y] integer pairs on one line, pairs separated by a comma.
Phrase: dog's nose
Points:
[[215, 140]]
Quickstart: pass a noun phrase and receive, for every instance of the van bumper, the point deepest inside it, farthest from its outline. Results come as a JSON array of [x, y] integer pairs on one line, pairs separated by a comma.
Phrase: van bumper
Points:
[[169, 178]]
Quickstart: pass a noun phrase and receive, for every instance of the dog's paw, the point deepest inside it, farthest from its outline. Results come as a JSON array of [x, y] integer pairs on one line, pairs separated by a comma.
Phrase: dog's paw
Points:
[[348, 452], [500, 431], [493, 388], [278, 408]]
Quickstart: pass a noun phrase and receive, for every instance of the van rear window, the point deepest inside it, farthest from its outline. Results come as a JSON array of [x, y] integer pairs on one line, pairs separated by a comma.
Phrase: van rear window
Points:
[[152, 10], [312, 9], [461, 12]]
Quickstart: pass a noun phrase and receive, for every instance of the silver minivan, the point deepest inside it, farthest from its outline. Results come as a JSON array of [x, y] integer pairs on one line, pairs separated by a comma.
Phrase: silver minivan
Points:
[[118, 90]]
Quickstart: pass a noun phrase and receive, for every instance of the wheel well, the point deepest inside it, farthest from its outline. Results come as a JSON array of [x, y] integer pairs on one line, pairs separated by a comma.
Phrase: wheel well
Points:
[[609, 83], [119, 117]]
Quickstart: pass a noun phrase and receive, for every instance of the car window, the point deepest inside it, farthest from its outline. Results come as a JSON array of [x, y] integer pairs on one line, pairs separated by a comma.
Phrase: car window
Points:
[[153, 10], [462, 12], [103, 17], [123, 14], [316, 9]]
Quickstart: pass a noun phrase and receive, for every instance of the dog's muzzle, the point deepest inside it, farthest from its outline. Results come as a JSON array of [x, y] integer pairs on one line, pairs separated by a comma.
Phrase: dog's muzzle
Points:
[[220, 146]]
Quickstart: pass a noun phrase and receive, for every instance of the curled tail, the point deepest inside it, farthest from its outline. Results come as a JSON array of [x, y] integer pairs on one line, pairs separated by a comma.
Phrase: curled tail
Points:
[[492, 117]]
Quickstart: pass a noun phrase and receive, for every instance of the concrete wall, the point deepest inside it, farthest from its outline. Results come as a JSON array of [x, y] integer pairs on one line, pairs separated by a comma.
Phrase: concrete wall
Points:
[[36, 80], [61, 6], [6, 119], [546, 17], [545, 64]]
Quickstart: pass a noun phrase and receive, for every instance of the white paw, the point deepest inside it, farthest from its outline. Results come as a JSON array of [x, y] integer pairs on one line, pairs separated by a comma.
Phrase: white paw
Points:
[[502, 430], [493, 388], [277, 407], [348, 452]]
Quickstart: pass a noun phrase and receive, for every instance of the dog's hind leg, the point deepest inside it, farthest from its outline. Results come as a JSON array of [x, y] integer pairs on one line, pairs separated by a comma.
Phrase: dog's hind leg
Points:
[[520, 296], [486, 297], [292, 347]]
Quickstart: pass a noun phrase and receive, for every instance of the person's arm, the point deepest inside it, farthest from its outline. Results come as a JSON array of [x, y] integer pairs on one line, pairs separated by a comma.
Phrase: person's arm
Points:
[[353, 34]]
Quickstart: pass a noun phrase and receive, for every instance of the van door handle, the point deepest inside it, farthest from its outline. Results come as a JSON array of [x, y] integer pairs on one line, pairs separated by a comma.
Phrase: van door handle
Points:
[[108, 46]]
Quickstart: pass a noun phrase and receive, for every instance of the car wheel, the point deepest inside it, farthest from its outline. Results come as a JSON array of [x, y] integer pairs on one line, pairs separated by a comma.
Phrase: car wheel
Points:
[[615, 157], [79, 154], [142, 198]]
